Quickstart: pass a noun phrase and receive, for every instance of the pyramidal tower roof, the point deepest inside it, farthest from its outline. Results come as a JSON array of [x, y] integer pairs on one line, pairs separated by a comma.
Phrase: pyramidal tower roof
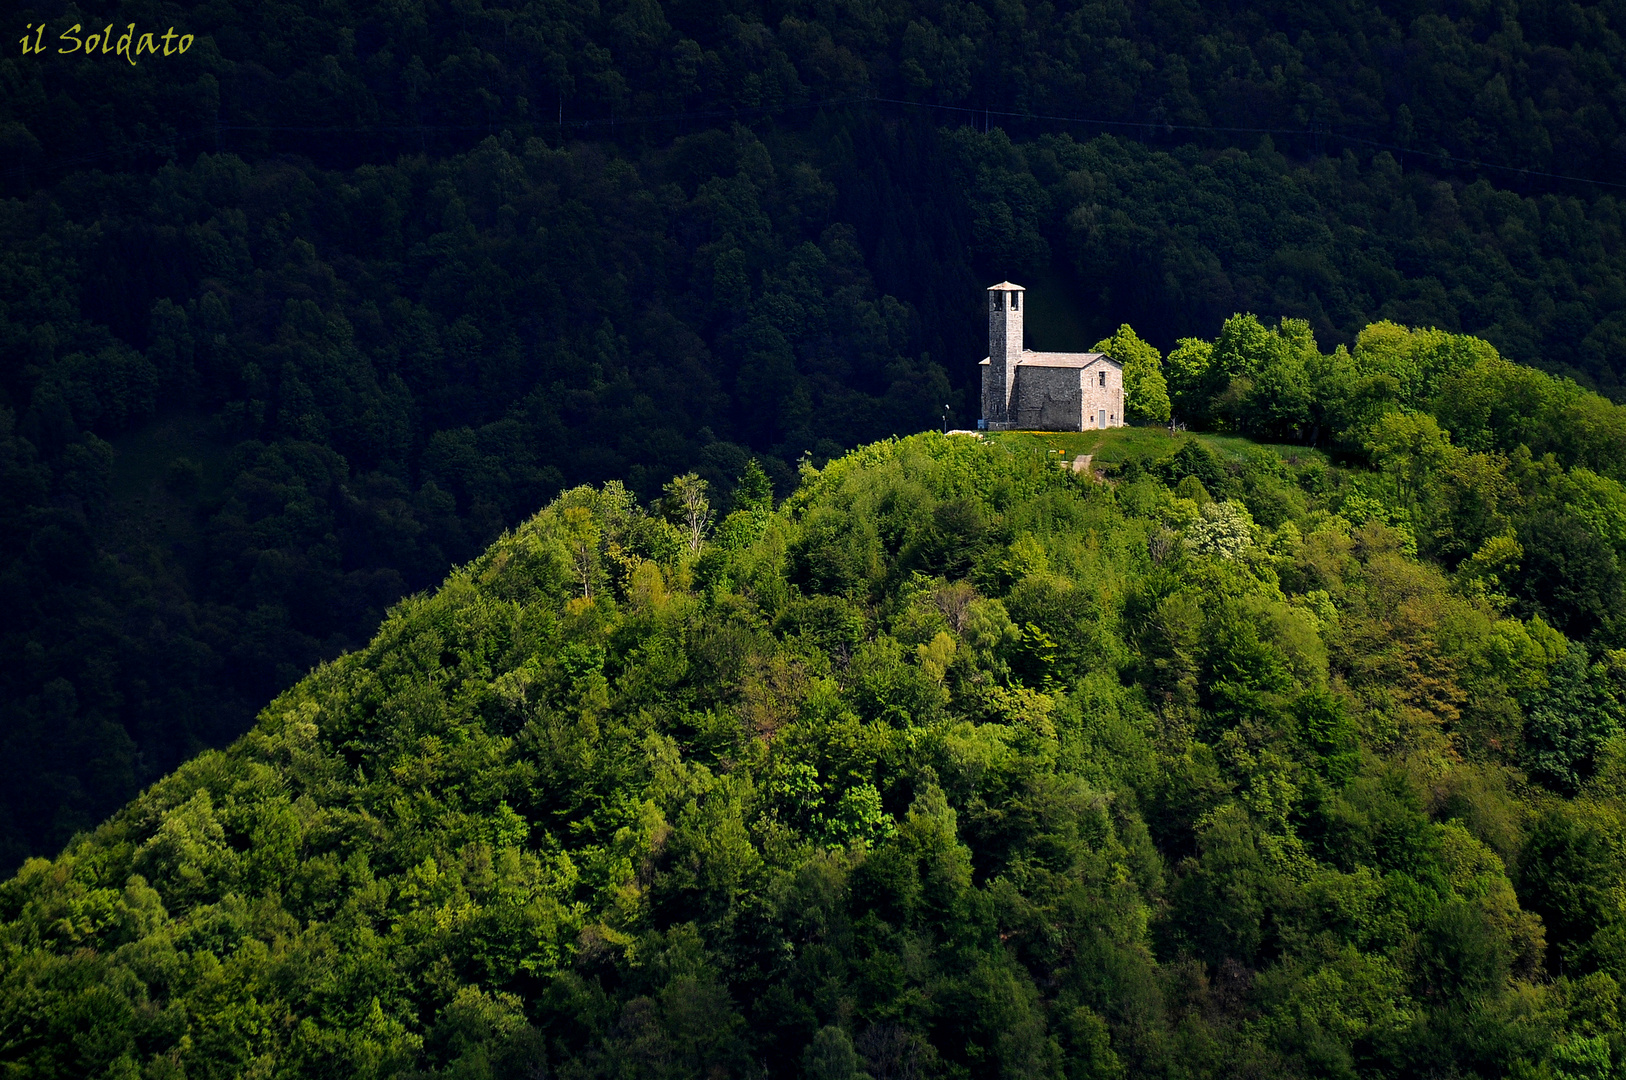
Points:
[[1005, 286]]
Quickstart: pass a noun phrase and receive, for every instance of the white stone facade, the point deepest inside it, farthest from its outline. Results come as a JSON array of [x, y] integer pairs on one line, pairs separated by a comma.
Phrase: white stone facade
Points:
[[1024, 390]]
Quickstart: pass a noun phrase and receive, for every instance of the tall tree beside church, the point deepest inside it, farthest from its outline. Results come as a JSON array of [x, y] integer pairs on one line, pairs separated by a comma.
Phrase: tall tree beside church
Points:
[[1146, 393]]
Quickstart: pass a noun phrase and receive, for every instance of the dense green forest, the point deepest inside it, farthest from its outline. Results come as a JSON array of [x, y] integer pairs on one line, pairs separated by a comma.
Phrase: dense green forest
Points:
[[1204, 756], [293, 322]]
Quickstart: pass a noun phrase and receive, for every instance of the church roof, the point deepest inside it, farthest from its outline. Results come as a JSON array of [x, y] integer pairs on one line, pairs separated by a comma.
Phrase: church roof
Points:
[[1029, 358], [1005, 286]]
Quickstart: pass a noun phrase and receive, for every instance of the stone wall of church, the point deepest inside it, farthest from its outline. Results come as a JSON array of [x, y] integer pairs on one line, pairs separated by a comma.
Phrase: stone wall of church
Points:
[[1099, 398], [1047, 399], [993, 393], [1067, 399]]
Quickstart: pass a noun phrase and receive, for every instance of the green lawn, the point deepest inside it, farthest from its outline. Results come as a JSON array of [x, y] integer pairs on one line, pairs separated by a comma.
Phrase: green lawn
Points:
[[1114, 446]]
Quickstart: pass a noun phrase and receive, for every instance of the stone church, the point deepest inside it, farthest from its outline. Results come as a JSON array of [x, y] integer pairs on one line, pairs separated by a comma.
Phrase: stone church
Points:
[[1023, 390]]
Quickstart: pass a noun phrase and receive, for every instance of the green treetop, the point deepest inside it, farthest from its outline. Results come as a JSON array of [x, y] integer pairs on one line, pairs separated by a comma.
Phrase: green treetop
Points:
[[1146, 394]]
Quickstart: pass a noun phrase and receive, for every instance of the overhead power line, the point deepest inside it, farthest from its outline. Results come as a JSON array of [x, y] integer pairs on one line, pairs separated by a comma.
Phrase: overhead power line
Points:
[[735, 113]]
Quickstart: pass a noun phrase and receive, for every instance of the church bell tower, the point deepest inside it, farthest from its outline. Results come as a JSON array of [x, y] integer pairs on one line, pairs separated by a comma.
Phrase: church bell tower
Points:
[[1005, 303]]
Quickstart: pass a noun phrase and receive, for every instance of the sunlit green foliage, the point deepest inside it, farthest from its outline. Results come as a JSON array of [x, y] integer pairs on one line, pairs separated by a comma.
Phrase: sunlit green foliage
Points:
[[249, 399], [1146, 394], [959, 762]]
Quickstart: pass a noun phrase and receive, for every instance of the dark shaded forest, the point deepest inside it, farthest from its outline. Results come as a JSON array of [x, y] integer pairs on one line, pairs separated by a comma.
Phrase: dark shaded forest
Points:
[[294, 322]]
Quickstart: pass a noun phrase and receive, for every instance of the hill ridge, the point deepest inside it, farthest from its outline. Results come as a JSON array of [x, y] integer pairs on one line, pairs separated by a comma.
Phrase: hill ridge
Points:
[[957, 763]]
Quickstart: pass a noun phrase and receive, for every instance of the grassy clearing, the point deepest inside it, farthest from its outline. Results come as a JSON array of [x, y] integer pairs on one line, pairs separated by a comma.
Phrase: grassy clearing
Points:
[[1115, 446]]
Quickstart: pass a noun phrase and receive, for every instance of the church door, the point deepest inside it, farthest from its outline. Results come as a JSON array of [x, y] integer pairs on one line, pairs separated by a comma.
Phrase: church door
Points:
[[1101, 418]]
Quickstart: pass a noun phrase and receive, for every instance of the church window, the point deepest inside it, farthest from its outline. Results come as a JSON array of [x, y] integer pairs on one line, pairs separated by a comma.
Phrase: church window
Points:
[[1102, 376], [1014, 298]]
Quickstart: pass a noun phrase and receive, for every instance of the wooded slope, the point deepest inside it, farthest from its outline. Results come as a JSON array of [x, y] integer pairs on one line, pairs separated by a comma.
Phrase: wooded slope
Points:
[[957, 763]]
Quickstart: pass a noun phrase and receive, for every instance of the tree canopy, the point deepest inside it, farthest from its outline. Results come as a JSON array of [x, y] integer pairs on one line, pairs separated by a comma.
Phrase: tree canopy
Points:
[[955, 763], [294, 322]]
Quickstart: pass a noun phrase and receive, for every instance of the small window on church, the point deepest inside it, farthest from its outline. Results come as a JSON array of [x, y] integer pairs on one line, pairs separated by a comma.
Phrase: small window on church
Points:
[[1014, 298], [1102, 376]]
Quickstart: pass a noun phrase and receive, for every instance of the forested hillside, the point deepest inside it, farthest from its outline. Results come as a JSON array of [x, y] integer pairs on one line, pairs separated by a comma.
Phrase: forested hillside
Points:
[[964, 761], [1528, 86], [293, 322]]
